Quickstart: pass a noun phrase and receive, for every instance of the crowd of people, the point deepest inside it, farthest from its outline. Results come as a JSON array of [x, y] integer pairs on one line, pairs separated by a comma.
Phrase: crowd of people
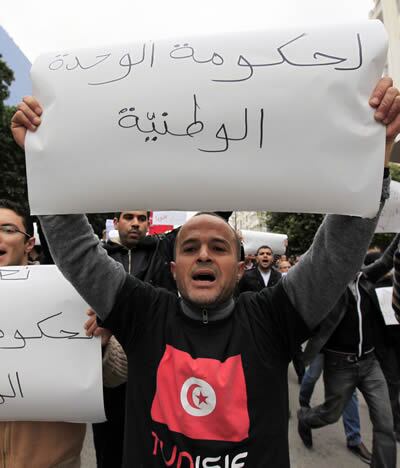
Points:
[[197, 339]]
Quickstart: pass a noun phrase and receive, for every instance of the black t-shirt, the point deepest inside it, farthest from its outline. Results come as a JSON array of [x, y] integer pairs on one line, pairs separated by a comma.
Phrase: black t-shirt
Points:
[[206, 395]]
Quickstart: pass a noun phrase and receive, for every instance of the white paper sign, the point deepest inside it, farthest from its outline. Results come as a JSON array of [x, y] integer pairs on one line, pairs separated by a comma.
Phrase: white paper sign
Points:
[[49, 369], [389, 221], [385, 301], [181, 124], [252, 240], [172, 218]]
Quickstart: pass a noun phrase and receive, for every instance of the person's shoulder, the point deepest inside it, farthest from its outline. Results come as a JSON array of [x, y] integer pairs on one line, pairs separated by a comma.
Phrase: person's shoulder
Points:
[[277, 274], [250, 273], [112, 247]]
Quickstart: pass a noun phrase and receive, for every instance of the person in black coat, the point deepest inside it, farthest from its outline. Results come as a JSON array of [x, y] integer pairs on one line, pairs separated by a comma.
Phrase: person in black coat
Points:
[[263, 275]]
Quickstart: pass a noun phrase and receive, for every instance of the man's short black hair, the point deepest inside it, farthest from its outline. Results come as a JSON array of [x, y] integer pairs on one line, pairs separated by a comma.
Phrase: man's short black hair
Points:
[[264, 247], [239, 248], [20, 211], [119, 213]]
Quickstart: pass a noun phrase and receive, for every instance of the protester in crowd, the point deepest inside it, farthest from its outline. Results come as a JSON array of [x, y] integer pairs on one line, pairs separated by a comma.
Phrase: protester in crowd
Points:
[[350, 337], [249, 262], [284, 266], [183, 352], [350, 416], [264, 275], [147, 258], [387, 337], [22, 443]]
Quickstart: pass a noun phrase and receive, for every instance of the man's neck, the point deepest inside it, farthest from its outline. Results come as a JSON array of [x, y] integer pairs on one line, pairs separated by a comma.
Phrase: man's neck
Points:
[[262, 270], [207, 313]]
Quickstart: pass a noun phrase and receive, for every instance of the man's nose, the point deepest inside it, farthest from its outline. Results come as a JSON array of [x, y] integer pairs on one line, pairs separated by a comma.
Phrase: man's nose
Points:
[[204, 254]]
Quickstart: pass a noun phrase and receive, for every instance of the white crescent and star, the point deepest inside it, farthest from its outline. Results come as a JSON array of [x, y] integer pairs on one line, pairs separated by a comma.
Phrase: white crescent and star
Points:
[[206, 398]]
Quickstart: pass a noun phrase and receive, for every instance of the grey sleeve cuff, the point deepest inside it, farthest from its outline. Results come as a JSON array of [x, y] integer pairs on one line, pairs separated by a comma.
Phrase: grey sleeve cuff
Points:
[[82, 260]]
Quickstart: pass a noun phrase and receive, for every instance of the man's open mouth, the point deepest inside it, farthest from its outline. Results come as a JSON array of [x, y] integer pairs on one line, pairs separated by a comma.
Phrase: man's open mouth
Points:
[[204, 276], [2, 252]]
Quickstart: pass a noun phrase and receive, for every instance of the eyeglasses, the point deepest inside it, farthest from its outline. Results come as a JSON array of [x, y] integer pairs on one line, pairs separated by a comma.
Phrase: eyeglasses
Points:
[[10, 229]]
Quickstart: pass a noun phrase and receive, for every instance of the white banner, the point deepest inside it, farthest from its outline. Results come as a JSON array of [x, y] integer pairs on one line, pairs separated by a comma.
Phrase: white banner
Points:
[[49, 369], [385, 301], [172, 218], [389, 220], [252, 240], [212, 123]]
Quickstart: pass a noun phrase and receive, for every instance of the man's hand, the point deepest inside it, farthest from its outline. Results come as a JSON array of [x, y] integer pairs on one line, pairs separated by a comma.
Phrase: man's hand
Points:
[[92, 329], [385, 99], [26, 118]]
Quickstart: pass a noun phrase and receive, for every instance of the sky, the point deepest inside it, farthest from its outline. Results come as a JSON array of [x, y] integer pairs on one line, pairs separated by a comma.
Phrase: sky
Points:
[[48, 25]]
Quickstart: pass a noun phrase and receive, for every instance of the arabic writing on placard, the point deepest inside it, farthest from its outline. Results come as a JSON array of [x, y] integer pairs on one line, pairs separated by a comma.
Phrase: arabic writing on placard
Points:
[[18, 339], [14, 388], [147, 56], [152, 125], [148, 125], [47, 362]]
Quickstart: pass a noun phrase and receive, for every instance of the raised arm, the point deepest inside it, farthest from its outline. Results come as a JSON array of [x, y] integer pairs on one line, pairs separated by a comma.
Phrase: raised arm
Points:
[[83, 261], [339, 247], [333, 260], [384, 264]]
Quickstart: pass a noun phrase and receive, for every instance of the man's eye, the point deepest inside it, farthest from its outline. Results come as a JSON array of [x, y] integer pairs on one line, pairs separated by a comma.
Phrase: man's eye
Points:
[[188, 249], [219, 248], [9, 229]]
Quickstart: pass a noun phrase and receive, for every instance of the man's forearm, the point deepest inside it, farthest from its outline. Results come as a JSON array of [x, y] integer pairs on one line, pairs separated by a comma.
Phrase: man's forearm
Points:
[[384, 264], [83, 261], [335, 257]]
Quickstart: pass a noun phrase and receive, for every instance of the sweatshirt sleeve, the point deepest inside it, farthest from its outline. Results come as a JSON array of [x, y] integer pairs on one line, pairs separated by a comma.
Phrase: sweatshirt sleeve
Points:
[[333, 260], [82, 260]]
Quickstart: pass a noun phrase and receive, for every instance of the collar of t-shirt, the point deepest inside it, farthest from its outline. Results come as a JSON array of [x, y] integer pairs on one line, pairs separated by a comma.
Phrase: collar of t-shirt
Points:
[[210, 314], [265, 276]]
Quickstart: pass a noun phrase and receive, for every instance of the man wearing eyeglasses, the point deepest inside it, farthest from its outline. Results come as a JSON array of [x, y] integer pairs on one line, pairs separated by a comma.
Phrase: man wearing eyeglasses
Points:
[[15, 242], [36, 444]]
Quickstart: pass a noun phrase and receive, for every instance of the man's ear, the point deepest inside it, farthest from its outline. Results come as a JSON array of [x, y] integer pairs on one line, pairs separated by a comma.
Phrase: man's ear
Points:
[[172, 266], [240, 271], [29, 244], [115, 221]]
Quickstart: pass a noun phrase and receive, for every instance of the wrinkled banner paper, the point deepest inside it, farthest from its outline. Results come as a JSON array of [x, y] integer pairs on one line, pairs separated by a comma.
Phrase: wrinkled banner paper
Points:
[[385, 301], [275, 120], [49, 369], [389, 220], [253, 240]]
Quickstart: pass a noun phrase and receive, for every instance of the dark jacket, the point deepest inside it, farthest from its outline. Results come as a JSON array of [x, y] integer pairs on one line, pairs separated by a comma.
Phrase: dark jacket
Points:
[[370, 276], [149, 260], [252, 280]]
